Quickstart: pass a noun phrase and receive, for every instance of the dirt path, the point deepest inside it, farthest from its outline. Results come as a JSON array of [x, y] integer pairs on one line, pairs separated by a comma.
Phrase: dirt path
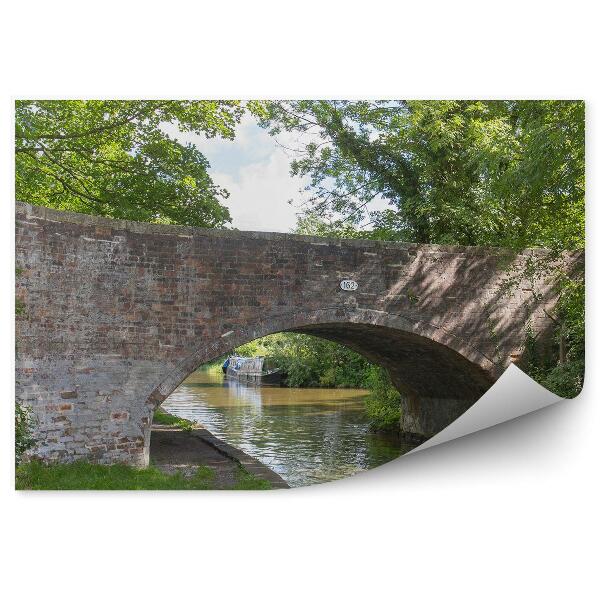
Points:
[[173, 449]]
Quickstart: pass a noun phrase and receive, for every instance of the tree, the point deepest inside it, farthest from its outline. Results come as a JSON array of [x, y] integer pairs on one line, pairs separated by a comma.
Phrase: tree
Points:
[[497, 173], [116, 158], [504, 173]]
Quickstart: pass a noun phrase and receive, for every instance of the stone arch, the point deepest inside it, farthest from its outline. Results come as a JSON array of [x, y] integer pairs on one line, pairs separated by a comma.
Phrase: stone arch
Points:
[[439, 374], [119, 313]]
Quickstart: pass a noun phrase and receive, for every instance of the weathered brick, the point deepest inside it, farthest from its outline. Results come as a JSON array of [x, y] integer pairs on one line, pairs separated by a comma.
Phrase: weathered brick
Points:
[[119, 416], [119, 313]]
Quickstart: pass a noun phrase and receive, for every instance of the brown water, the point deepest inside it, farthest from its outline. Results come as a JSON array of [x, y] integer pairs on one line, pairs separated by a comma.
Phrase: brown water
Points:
[[307, 435]]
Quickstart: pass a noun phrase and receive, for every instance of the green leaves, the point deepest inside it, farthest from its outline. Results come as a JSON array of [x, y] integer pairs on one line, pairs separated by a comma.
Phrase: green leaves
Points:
[[114, 158], [494, 173], [23, 431], [502, 173], [310, 361]]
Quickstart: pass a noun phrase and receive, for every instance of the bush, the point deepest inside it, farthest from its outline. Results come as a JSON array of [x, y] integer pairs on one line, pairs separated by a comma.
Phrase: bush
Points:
[[309, 361], [23, 431], [564, 374], [564, 380], [383, 406]]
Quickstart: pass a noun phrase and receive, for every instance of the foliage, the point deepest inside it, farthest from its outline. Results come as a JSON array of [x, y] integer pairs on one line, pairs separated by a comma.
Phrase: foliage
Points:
[[311, 224], [496, 173], [19, 307], [163, 418], [504, 173], [19, 304], [23, 431], [122, 158], [564, 379], [565, 376], [571, 313], [81, 475], [383, 403], [310, 361]]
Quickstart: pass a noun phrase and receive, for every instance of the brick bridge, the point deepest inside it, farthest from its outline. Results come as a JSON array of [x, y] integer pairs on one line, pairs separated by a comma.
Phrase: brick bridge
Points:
[[117, 314]]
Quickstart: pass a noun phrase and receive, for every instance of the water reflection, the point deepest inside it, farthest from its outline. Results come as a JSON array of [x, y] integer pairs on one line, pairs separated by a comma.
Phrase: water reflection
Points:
[[306, 435]]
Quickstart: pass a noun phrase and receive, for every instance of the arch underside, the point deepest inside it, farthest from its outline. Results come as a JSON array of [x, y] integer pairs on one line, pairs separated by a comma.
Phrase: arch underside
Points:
[[437, 382]]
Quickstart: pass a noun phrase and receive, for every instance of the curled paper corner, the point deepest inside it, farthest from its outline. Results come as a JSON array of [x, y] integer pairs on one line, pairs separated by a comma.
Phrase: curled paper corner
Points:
[[513, 395]]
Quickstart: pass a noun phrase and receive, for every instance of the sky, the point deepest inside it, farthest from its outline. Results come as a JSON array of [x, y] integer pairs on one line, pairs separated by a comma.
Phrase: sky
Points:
[[255, 170]]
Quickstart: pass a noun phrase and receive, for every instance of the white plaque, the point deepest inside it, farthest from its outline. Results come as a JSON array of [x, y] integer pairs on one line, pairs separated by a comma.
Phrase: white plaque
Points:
[[348, 285]]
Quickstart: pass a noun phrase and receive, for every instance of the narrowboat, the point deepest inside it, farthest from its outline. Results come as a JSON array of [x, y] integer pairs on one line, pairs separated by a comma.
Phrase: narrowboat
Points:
[[253, 371]]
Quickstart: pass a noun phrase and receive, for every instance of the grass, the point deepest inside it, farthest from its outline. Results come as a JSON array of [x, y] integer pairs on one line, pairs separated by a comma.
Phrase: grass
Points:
[[247, 481], [163, 418], [86, 476]]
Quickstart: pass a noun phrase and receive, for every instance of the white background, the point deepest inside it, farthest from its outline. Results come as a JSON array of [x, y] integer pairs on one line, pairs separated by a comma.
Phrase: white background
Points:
[[511, 512]]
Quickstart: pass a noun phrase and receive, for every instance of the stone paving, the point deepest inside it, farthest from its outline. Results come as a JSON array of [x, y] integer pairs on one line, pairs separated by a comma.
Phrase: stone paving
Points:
[[173, 449]]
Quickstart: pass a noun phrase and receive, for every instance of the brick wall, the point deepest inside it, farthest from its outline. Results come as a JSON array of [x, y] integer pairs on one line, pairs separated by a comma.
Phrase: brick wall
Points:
[[118, 313]]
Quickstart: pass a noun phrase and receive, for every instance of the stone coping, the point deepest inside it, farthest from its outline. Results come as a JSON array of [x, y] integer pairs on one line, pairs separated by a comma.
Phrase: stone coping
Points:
[[50, 214]]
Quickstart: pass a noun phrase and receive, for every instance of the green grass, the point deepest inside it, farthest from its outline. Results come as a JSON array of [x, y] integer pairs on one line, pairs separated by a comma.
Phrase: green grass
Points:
[[163, 418], [86, 476], [247, 481]]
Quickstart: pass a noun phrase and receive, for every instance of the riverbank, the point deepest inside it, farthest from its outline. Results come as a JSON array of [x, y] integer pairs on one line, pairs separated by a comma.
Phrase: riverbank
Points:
[[176, 450], [183, 456], [306, 435]]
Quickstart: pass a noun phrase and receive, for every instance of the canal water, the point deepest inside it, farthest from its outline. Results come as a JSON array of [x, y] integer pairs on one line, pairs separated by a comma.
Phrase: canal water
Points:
[[306, 435]]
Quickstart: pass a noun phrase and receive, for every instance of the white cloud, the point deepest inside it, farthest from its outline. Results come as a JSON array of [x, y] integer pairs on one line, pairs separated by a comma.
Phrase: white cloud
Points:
[[259, 194], [255, 171]]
